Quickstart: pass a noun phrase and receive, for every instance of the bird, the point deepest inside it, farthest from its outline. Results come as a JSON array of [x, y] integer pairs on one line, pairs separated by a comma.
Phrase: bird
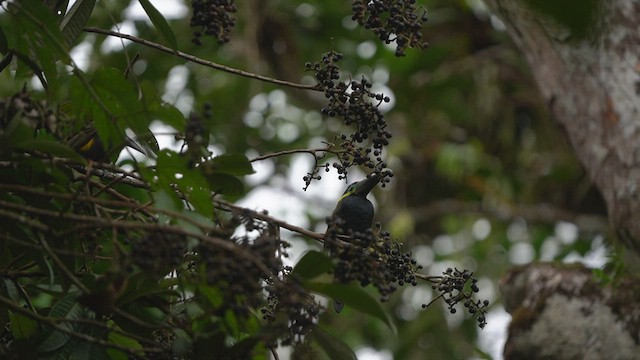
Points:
[[88, 144], [353, 213]]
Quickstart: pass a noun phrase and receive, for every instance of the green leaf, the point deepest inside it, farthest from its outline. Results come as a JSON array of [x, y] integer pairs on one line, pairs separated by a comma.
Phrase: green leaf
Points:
[[50, 147], [59, 6], [173, 168], [160, 110], [42, 29], [48, 66], [212, 294], [232, 164], [84, 350], [75, 20], [355, 297], [120, 339], [312, 264], [335, 348], [22, 327], [227, 185], [138, 285], [160, 23], [167, 200], [171, 116], [67, 308], [231, 321], [11, 289], [4, 44]]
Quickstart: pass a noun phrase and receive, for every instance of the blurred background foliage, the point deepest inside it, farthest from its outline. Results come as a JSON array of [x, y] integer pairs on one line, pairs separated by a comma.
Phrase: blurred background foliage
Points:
[[484, 178]]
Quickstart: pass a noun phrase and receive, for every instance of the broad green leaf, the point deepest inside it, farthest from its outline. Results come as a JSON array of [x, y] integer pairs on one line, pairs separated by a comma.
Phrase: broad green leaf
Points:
[[335, 348], [67, 308], [160, 110], [43, 30], [138, 285], [183, 343], [224, 184], [232, 164], [59, 7], [48, 66], [212, 294], [120, 339], [75, 20], [312, 264], [171, 116], [15, 131], [22, 327], [194, 186], [167, 200], [11, 289], [4, 44], [354, 297], [120, 97], [173, 168], [84, 350], [231, 322], [160, 23], [195, 218], [52, 147]]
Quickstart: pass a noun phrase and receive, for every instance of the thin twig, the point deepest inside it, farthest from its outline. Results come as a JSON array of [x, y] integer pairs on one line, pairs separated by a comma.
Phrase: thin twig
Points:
[[200, 61], [427, 277], [434, 300], [274, 353], [57, 251], [25, 220], [294, 151], [264, 217], [53, 323], [95, 221], [62, 266]]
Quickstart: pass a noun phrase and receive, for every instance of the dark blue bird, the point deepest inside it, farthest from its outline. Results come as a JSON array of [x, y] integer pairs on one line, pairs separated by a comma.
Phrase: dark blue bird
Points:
[[354, 212]]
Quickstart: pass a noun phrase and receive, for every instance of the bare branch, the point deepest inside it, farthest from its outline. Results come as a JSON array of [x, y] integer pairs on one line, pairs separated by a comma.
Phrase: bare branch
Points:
[[197, 60]]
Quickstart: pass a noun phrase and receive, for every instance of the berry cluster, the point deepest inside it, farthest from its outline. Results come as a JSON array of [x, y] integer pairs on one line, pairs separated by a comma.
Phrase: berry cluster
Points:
[[392, 20], [358, 107], [196, 134], [164, 338], [6, 338], [457, 286], [300, 308], [212, 18], [370, 259], [237, 276], [158, 252]]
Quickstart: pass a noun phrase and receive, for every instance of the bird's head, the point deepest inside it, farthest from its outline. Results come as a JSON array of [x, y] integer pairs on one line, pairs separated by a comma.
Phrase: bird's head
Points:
[[361, 188]]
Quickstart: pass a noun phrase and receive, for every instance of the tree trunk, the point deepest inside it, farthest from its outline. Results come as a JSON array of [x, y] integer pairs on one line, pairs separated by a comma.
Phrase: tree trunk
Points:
[[592, 86], [563, 312]]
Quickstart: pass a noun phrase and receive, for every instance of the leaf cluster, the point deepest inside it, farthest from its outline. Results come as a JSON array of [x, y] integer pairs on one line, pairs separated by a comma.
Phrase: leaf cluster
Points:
[[151, 258]]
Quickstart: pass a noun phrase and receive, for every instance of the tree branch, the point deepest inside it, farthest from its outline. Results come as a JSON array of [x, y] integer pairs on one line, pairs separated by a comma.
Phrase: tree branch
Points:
[[197, 60], [52, 322]]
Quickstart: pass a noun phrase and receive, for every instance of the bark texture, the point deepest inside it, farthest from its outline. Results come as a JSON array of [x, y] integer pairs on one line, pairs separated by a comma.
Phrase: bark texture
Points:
[[562, 312], [592, 86]]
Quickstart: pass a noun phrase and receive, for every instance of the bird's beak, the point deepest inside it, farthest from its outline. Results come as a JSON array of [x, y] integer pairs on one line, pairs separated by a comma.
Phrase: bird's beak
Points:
[[367, 185]]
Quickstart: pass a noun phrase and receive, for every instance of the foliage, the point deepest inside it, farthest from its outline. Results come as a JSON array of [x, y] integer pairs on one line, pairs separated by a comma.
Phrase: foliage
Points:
[[155, 258], [108, 262]]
